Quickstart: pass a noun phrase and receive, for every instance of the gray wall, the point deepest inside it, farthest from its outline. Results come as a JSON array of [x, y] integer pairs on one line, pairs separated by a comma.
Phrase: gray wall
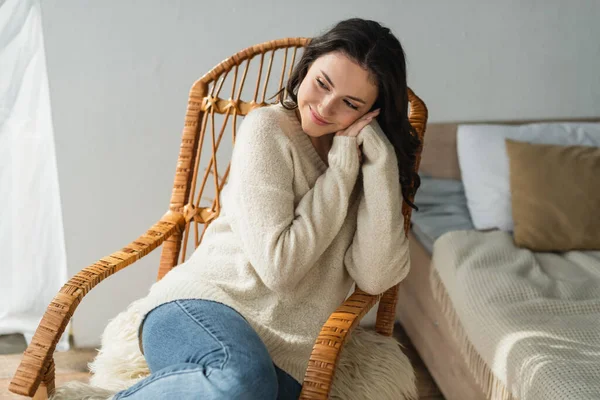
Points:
[[120, 72]]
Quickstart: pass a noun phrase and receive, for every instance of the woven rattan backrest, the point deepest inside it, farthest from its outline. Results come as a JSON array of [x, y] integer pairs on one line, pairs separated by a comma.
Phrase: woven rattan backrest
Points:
[[217, 104]]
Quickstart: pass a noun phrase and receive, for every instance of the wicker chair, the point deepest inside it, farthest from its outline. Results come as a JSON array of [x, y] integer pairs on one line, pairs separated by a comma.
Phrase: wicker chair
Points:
[[206, 111]]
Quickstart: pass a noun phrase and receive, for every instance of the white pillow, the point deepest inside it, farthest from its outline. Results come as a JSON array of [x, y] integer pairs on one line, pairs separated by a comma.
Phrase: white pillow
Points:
[[484, 163]]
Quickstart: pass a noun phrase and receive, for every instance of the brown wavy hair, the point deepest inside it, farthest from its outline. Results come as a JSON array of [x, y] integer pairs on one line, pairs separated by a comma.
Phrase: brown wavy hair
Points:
[[377, 50]]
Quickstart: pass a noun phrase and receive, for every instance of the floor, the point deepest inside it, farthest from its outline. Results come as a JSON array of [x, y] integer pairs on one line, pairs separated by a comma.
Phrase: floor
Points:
[[72, 365], [426, 386]]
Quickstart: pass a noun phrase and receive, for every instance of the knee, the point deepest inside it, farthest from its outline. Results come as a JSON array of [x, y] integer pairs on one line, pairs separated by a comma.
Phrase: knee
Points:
[[256, 380]]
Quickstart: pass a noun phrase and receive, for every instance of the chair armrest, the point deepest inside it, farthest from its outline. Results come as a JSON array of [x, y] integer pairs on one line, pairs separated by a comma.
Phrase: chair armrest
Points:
[[37, 359], [327, 349]]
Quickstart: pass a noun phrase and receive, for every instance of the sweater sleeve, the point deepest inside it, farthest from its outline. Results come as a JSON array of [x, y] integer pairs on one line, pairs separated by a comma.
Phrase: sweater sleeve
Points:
[[378, 257], [281, 240]]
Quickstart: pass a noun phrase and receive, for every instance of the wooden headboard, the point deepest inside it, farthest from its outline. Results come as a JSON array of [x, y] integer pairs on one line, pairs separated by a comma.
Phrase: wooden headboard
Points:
[[439, 158]]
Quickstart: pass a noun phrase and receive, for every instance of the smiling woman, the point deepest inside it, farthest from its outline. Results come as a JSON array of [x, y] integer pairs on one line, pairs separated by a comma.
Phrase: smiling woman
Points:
[[349, 75], [334, 106], [325, 108], [302, 220]]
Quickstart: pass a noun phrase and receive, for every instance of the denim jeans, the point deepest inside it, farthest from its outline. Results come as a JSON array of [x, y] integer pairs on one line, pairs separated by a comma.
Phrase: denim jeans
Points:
[[200, 349]]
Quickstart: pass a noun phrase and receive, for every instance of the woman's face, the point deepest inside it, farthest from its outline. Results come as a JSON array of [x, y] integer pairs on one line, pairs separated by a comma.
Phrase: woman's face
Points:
[[335, 92]]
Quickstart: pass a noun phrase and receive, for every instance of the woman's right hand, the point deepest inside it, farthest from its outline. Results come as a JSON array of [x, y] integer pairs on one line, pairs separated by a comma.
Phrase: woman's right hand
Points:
[[354, 129]]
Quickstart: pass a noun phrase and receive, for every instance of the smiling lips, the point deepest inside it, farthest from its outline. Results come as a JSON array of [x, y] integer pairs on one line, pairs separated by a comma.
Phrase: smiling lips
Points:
[[316, 118]]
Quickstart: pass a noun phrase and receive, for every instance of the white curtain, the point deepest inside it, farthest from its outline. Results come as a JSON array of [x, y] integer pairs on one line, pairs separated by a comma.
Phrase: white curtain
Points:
[[33, 263]]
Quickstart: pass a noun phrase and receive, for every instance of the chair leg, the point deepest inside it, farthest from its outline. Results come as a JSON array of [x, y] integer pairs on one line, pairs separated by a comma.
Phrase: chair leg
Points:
[[386, 312], [46, 388]]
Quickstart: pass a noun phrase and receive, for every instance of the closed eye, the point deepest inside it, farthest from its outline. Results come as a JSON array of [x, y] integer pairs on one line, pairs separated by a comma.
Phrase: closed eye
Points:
[[352, 106], [321, 84]]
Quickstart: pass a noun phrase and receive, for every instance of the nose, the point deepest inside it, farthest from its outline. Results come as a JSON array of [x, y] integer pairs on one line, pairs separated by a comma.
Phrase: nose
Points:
[[326, 106]]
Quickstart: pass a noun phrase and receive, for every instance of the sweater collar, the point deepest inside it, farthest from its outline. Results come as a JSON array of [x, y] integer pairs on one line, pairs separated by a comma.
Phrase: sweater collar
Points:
[[303, 140]]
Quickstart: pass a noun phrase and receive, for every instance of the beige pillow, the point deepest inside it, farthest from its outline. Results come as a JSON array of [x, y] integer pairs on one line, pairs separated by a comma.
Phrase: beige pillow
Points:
[[555, 193]]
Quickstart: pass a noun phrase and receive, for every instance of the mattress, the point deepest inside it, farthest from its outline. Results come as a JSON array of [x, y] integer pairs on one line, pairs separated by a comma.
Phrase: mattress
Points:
[[442, 208]]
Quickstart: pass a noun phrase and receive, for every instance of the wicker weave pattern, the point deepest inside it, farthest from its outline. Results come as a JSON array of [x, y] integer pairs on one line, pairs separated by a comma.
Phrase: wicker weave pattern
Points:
[[329, 343], [37, 364], [203, 153], [209, 115]]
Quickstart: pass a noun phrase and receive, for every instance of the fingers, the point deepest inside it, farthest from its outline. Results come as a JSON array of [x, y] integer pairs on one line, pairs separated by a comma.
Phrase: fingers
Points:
[[357, 127], [372, 114], [359, 124]]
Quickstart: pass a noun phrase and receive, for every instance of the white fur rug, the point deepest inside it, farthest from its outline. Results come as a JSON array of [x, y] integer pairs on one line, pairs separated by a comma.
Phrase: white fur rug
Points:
[[371, 366]]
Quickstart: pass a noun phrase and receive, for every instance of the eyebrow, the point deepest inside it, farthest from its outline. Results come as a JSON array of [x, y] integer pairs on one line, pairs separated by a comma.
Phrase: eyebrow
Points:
[[333, 86]]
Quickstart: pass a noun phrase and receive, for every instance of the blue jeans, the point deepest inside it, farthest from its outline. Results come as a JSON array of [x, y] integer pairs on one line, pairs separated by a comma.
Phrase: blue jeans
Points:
[[200, 349]]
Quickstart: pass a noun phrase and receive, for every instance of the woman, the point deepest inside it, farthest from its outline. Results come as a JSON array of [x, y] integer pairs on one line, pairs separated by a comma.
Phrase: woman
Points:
[[313, 204]]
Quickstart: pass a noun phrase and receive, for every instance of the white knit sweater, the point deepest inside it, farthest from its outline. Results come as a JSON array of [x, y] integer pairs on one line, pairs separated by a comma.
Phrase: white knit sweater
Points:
[[294, 234]]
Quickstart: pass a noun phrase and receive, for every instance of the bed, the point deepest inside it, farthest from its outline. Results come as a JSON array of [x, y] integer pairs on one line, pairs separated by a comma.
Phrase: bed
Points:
[[428, 320]]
